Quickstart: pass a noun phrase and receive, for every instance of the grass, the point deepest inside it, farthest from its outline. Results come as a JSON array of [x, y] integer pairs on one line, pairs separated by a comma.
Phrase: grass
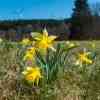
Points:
[[73, 84]]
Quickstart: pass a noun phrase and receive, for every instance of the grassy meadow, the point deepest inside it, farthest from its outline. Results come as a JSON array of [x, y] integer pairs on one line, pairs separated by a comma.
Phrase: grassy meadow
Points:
[[71, 83]]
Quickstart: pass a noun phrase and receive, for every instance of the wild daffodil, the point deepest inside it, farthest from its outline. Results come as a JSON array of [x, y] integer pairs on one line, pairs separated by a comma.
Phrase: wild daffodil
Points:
[[32, 74], [83, 58], [71, 44], [26, 42], [45, 41], [29, 54]]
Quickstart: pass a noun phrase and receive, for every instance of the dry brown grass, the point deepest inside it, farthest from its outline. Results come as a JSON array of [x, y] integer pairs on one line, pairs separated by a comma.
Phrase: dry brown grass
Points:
[[70, 85]]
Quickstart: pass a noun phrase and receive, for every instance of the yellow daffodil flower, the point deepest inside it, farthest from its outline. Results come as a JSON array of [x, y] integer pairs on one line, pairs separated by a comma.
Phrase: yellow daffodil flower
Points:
[[29, 54], [44, 41], [32, 74], [25, 42], [71, 44], [84, 58]]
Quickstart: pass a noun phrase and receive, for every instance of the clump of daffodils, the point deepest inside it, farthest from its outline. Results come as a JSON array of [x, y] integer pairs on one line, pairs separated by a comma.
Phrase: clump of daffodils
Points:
[[32, 74], [51, 61], [41, 41]]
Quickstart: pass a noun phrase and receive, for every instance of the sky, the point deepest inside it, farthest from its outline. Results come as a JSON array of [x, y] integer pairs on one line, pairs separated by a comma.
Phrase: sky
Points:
[[36, 9]]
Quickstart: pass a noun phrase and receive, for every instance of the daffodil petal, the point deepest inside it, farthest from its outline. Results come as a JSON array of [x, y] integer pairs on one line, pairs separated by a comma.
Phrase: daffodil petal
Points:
[[51, 38], [45, 33]]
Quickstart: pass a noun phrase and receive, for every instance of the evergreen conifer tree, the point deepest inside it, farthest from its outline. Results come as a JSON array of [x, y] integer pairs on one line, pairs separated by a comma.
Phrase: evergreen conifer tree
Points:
[[81, 17]]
